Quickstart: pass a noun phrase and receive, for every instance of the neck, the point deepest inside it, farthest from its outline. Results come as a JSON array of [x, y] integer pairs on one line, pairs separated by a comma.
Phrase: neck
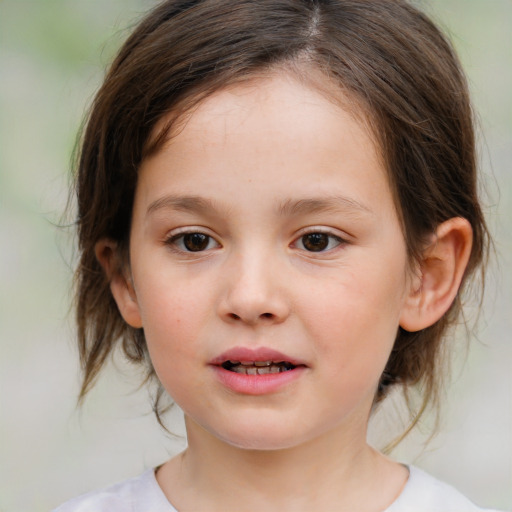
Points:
[[332, 472]]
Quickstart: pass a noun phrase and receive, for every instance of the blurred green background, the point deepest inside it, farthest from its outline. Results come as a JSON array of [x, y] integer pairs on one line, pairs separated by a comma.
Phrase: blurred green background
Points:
[[52, 56]]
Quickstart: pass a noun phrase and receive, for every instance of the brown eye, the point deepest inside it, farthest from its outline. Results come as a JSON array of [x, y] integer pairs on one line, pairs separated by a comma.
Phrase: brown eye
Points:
[[315, 241], [192, 241], [195, 242], [319, 242]]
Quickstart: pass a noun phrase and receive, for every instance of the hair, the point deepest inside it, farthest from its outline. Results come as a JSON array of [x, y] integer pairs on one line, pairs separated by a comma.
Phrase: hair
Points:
[[386, 56]]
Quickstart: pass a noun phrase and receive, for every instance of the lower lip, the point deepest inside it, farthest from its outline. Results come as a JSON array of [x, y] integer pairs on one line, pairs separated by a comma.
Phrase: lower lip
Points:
[[257, 384]]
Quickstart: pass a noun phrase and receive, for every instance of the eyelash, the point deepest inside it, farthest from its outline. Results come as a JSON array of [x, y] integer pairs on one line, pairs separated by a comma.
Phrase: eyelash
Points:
[[331, 238], [177, 242]]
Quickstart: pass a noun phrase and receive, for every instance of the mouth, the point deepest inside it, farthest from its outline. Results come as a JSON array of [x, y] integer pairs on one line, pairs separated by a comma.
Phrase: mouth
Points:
[[257, 370], [258, 367]]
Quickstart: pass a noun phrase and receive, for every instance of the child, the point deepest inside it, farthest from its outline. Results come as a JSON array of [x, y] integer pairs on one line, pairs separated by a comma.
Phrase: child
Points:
[[277, 218]]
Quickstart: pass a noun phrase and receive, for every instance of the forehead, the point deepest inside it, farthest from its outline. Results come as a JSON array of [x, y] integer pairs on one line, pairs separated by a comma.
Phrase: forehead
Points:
[[269, 105], [280, 81], [274, 130]]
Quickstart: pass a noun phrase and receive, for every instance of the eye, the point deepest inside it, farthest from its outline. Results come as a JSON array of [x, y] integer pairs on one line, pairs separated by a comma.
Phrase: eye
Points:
[[193, 242], [318, 242]]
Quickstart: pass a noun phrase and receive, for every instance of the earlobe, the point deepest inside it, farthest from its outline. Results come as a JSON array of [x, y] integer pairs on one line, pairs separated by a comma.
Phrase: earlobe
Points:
[[441, 270], [121, 286]]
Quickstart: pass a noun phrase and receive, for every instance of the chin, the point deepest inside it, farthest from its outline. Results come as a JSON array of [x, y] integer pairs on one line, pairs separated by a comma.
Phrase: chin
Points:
[[263, 443], [262, 437]]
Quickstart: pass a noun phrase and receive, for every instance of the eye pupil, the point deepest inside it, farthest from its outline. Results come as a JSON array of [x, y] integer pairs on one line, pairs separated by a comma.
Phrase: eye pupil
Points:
[[195, 241], [315, 241]]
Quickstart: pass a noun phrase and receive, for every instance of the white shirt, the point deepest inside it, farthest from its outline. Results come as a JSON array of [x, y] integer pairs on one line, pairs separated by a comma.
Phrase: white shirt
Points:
[[422, 493]]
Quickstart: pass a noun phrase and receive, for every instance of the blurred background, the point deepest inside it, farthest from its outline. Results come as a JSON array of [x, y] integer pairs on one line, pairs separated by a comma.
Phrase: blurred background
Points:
[[52, 56]]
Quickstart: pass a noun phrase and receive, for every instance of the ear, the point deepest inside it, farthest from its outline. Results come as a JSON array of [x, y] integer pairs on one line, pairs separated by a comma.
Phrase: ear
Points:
[[440, 273], [121, 286]]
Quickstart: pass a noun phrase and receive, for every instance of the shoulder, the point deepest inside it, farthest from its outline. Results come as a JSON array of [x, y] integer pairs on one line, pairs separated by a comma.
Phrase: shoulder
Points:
[[138, 494], [424, 493]]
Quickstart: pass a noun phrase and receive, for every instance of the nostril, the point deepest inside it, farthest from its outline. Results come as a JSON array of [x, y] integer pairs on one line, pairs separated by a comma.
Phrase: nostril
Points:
[[236, 317]]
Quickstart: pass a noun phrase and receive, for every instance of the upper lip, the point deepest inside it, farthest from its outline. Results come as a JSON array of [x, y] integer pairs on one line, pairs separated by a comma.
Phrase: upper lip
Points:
[[246, 354]]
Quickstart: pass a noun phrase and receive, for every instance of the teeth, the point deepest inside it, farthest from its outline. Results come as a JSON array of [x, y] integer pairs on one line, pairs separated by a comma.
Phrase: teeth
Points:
[[259, 367], [252, 363]]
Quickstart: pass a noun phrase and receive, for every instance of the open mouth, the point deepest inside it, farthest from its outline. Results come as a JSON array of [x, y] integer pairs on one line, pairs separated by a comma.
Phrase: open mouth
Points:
[[258, 367]]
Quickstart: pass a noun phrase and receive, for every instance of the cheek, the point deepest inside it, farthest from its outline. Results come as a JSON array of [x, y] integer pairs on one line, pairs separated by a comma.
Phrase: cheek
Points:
[[172, 333], [355, 320], [176, 310], [171, 321], [166, 300], [351, 305]]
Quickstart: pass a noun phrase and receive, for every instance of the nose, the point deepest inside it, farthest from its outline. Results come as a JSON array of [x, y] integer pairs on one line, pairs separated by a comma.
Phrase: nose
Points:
[[253, 293]]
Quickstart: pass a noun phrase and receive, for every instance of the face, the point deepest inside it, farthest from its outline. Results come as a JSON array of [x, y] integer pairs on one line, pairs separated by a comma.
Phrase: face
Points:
[[268, 266]]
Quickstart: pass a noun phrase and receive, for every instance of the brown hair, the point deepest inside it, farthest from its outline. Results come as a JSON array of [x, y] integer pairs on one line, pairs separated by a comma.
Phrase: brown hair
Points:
[[384, 54]]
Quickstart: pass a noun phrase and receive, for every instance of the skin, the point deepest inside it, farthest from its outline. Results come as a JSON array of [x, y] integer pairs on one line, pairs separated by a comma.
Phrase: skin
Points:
[[256, 167]]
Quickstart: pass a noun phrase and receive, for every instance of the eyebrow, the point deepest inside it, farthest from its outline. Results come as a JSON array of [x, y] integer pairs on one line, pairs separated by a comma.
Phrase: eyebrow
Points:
[[183, 203], [324, 204], [289, 207]]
